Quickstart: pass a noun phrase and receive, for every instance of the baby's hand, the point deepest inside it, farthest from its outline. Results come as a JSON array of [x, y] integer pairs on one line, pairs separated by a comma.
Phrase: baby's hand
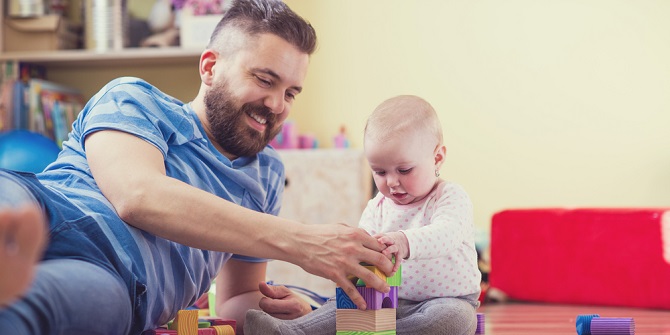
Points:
[[396, 245]]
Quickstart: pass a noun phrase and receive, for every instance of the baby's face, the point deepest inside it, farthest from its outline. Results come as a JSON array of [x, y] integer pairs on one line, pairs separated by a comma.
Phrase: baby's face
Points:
[[403, 167]]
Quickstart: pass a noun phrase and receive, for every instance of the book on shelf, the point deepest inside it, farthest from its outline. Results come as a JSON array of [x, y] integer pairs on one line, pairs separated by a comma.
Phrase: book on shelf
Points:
[[52, 108], [8, 76], [38, 105], [14, 77]]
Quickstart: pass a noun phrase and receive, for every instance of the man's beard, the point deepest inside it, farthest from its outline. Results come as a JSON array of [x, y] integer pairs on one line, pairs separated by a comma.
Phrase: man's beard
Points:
[[228, 127]]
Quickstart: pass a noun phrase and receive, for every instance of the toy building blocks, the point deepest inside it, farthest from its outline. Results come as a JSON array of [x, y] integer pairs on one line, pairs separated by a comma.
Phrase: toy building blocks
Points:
[[594, 324], [379, 318], [368, 320], [394, 280], [481, 322], [187, 323]]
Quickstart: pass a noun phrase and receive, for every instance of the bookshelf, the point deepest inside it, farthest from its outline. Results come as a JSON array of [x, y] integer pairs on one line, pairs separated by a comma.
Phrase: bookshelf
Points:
[[174, 70], [89, 58]]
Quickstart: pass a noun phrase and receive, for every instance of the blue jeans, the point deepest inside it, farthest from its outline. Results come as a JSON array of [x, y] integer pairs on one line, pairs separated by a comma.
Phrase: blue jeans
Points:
[[13, 194], [70, 295]]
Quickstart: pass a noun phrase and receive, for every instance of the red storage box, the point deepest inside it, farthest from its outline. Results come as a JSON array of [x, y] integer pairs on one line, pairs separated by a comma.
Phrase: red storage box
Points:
[[615, 257]]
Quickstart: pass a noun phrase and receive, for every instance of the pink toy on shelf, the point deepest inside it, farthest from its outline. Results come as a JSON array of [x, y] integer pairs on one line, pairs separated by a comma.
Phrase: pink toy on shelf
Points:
[[289, 136], [340, 140], [307, 141]]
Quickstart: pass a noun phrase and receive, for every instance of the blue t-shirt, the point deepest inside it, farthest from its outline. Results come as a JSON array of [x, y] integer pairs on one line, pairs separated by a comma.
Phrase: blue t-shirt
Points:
[[163, 275]]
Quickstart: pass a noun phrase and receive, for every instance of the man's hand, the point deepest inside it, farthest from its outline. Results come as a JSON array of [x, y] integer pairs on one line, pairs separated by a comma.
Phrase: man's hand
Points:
[[22, 239], [282, 303], [335, 251], [396, 244]]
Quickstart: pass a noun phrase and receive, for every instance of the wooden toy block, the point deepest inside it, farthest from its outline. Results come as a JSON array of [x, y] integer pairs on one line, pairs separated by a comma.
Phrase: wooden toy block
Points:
[[224, 330], [373, 298], [206, 331], [343, 300], [186, 322], [347, 332], [378, 300], [394, 280], [367, 320], [372, 268], [216, 321]]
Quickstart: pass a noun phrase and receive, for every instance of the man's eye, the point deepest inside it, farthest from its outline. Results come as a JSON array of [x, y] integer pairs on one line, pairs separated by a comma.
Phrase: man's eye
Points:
[[263, 81]]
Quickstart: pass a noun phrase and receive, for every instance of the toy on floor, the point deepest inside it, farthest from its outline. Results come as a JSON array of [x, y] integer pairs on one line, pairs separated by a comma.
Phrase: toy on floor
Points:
[[380, 315], [596, 325], [480, 324], [188, 322]]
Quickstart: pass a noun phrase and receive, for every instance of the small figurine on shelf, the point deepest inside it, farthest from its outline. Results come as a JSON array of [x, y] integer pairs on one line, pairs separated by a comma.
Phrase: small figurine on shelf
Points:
[[340, 140], [307, 141]]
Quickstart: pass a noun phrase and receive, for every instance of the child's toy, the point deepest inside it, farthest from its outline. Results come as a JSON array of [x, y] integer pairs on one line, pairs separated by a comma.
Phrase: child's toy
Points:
[[341, 141], [380, 316], [480, 324], [287, 138], [612, 326], [187, 323], [594, 324], [307, 141]]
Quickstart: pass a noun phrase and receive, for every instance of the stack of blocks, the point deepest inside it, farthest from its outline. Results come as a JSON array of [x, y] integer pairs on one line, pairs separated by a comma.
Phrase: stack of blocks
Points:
[[380, 315], [188, 322]]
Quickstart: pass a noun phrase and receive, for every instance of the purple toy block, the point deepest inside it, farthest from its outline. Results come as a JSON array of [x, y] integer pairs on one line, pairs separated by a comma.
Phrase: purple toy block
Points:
[[378, 300]]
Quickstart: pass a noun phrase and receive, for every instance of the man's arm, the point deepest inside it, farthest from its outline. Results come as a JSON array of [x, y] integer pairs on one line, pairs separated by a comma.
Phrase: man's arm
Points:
[[237, 290], [131, 174], [241, 286]]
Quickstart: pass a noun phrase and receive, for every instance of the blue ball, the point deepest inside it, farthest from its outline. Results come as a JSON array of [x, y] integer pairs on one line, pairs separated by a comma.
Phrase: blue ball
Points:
[[26, 151]]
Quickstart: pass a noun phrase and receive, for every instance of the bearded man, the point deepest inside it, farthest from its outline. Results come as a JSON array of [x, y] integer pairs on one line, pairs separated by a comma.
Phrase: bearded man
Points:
[[151, 198]]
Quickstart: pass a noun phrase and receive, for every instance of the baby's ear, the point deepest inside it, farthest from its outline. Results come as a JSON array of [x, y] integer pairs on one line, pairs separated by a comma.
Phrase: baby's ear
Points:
[[440, 154]]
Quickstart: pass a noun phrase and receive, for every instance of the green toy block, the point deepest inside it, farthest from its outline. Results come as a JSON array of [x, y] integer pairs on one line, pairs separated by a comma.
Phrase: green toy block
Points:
[[350, 332]]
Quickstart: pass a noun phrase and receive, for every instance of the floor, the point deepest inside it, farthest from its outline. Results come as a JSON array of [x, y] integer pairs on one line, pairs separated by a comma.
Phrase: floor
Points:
[[522, 318]]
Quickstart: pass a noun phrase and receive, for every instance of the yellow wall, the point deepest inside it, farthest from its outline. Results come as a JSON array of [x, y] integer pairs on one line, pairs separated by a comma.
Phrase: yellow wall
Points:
[[543, 103]]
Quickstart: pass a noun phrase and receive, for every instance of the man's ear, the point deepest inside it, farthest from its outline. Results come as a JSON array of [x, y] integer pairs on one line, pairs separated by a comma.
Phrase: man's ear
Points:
[[208, 59], [440, 154]]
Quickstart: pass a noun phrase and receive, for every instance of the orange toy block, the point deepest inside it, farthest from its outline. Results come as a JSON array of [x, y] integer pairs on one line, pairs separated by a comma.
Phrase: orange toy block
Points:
[[186, 322], [224, 330], [374, 270]]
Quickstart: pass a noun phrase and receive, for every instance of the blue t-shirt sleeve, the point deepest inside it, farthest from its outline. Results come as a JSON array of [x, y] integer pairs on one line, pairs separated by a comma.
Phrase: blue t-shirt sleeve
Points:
[[133, 106]]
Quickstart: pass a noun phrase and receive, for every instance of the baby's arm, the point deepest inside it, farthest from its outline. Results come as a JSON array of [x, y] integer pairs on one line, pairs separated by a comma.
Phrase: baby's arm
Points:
[[396, 244]]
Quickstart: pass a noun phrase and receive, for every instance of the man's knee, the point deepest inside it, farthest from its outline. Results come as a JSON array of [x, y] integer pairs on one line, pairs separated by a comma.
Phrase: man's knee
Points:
[[14, 194], [73, 297], [80, 285]]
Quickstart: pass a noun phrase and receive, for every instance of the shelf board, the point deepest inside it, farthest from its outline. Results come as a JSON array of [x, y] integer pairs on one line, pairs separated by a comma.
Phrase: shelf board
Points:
[[90, 58]]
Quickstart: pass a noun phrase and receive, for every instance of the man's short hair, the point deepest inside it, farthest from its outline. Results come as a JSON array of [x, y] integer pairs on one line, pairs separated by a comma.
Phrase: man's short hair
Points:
[[254, 17]]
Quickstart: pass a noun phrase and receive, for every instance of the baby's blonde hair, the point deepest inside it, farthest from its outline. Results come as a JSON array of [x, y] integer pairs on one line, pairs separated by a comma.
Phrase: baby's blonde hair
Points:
[[403, 114]]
